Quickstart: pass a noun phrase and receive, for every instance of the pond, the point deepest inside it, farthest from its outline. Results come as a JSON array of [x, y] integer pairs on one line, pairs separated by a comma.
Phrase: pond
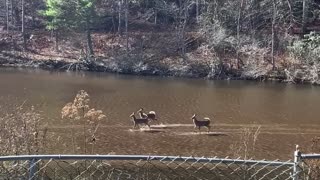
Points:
[[251, 119]]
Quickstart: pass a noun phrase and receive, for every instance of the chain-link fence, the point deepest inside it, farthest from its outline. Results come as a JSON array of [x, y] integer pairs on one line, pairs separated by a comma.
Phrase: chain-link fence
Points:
[[140, 167], [307, 166]]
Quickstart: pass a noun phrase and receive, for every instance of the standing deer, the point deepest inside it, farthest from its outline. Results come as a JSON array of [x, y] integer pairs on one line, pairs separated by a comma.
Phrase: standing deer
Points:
[[139, 121], [199, 123]]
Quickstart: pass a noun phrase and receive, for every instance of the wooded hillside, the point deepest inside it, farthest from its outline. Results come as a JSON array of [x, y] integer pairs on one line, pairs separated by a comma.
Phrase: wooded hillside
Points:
[[253, 39]]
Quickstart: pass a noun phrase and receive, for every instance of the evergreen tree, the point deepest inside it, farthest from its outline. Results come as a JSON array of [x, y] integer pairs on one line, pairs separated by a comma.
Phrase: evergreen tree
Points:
[[75, 15], [55, 13], [85, 15]]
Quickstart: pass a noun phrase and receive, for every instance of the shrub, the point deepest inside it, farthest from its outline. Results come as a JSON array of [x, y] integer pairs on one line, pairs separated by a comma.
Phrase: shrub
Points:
[[307, 50], [79, 110], [307, 53], [20, 132]]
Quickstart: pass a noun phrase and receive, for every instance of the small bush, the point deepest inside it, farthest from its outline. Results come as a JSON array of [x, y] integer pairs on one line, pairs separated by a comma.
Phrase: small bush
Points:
[[20, 132], [307, 50], [79, 110], [307, 53]]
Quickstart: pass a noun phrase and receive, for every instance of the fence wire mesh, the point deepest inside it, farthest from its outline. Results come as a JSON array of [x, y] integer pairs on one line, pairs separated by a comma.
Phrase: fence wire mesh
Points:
[[308, 167], [112, 167]]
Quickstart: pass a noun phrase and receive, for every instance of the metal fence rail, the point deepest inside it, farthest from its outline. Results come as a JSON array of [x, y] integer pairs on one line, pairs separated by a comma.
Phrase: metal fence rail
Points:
[[140, 167]]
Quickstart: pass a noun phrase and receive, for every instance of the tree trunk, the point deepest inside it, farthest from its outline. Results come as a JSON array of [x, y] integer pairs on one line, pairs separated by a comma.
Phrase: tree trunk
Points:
[[238, 31], [155, 15], [274, 13], [291, 14], [181, 24], [290, 29], [126, 25], [216, 6], [254, 11], [197, 11], [11, 7], [7, 15], [23, 24], [88, 31], [89, 42], [33, 11], [304, 16], [184, 23], [120, 10], [113, 29]]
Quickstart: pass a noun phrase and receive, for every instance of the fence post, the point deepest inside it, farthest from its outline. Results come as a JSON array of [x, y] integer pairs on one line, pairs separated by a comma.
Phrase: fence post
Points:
[[296, 168], [32, 169]]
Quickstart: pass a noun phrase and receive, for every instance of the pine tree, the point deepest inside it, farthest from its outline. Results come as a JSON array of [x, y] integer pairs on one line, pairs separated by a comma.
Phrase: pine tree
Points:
[[84, 18], [70, 15], [55, 17]]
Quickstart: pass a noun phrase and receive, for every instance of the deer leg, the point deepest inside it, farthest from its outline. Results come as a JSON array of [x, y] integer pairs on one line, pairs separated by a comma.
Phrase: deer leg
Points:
[[156, 120], [199, 129], [208, 127]]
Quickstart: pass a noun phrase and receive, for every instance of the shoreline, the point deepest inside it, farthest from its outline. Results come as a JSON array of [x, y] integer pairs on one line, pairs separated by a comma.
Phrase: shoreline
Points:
[[152, 70], [120, 66]]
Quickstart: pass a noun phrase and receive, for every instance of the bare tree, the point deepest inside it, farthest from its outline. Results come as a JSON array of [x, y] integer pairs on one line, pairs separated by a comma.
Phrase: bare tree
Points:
[[113, 16], [290, 13], [304, 15], [274, 14], [126, 25], [238, 31], [197, 11], [7, 14], [23, 24], [181, 20], [88, 32], [155, 11], [120, 11]]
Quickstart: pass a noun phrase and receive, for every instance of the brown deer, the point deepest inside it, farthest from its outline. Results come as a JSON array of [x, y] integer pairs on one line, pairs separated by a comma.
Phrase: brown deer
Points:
[[139, 121], [151, 115], [199, 123]]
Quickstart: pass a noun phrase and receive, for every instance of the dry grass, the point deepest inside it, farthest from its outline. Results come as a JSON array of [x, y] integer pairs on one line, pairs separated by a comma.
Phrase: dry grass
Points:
[[246, 145], [79, 110], [20, 132]]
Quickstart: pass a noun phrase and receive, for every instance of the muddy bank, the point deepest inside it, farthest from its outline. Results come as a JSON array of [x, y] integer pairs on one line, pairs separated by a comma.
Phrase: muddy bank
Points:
[[155, 58], [138, 68]]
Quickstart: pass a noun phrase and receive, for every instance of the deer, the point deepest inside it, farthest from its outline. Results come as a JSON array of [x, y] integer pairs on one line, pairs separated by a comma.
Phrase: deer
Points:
[[199, 123], [151, 115], [139, 121]]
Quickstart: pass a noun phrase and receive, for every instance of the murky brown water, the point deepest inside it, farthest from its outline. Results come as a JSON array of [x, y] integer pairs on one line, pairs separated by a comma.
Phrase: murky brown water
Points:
[[287, 114]]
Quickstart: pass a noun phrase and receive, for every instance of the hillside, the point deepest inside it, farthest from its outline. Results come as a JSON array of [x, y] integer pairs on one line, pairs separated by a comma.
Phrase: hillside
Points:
[[208, 39]]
